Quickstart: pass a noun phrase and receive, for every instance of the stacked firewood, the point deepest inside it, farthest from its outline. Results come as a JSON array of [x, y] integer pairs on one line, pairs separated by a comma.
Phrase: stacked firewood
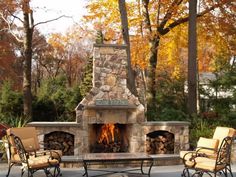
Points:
[[160, 144], [60, 140]]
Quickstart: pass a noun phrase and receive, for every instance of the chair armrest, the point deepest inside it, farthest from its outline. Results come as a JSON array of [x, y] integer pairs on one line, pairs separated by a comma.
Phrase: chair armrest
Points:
[[206, 152], [189, 159]]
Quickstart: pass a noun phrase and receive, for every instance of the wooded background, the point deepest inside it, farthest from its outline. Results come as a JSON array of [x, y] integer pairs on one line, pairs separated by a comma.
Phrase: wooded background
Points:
[[44, 77]]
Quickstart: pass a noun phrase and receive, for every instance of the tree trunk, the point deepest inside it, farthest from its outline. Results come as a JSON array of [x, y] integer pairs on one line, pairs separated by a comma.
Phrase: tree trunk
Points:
[[28, 33], [125, 32], [192, 58], [151, 71]]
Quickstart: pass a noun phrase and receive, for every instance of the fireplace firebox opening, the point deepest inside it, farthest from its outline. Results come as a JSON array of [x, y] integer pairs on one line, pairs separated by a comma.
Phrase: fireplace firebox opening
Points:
[[160, 142], [60, 140], [108, 138]]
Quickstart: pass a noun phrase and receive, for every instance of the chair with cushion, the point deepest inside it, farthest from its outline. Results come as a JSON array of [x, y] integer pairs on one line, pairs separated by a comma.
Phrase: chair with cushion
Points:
[[33, 163], [29, 139], [219, 134], [211, 155]]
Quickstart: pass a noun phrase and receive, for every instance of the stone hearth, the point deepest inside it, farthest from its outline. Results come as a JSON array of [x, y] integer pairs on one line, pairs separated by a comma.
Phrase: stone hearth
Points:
[[110, 102]]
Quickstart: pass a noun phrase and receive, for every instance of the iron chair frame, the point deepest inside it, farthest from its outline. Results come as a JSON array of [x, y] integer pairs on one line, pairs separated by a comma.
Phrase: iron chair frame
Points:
[[40, 151], [223, 158], [25, 156]]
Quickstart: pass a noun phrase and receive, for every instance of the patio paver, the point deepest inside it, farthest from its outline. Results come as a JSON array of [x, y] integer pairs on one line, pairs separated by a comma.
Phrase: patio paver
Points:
[[157, 171]]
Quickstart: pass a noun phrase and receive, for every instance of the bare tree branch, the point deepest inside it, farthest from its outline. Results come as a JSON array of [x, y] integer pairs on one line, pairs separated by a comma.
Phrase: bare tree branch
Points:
[[10, 29], [15, 16], [147, 20], [169, 13], [158, 13], [47, 21], [186, 19], [4, 29]]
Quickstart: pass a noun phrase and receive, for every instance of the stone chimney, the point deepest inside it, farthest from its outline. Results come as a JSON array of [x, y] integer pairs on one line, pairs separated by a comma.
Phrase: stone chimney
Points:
[[110, 89]]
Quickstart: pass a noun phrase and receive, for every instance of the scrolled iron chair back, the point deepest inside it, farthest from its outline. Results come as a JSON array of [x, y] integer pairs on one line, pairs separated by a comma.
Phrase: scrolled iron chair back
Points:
[[20, 149], [224, 153]]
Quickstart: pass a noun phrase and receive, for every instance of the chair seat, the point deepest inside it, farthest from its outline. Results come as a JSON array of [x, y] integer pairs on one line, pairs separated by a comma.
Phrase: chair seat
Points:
[[204, 163], [54, 153], [41, 162], [207, 164]]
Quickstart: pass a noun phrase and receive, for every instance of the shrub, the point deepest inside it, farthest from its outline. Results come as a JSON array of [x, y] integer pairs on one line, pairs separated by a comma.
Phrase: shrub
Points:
[[169, 114], [44, 110], [202, 127], [11, 103], [56, 102]]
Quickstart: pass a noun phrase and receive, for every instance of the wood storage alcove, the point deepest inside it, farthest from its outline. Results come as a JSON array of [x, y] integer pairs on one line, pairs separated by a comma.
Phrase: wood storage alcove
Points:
[[60, 139], [160, 142]]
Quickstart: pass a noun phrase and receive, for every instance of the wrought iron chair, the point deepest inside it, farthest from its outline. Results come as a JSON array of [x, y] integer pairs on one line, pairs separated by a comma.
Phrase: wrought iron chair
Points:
[[31, 145], [33, 163], [202, 163], [212, 143]]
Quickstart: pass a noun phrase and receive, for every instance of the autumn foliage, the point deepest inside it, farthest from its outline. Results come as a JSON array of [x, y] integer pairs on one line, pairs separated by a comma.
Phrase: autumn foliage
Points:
[[158, 38]]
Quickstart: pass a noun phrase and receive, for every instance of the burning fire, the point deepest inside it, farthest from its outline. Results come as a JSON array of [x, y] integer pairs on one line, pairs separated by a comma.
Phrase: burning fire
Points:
[[107, 133]]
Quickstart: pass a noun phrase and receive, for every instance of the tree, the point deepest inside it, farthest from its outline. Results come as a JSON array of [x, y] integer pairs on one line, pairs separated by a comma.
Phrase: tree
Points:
[[10, 68], [86, 83], [9, 12], [125, 32], [152, 23], [68, 55], [192, 58], [168, 15], [28, 24]]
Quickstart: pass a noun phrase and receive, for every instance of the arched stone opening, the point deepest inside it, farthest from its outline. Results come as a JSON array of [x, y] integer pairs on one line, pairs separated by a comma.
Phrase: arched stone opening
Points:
[[160, 142], [60, 139]]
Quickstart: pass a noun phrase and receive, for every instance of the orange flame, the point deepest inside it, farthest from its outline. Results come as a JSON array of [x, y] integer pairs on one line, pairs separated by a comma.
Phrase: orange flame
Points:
[[107, 133]]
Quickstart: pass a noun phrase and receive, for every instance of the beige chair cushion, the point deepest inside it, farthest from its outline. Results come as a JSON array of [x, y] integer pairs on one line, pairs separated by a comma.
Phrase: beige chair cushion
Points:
[[207, 164], [25, 134], [222, 132], [15, 158], [29, 144], [54, 153], [204, 163], [41, 162], [203, 142], [207, 143]]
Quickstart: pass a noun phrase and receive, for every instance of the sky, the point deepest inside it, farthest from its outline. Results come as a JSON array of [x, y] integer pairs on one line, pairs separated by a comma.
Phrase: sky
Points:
[[50, 9]]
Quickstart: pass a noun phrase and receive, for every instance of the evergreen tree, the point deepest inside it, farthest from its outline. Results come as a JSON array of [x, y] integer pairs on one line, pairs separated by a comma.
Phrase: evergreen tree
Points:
[[86, 84]]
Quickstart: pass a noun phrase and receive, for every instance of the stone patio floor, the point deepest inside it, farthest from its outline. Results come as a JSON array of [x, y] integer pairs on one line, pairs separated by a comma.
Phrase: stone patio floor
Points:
[[157, 171]]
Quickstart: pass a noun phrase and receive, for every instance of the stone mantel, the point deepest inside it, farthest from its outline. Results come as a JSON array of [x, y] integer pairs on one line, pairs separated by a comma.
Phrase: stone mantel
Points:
[[108, 107]]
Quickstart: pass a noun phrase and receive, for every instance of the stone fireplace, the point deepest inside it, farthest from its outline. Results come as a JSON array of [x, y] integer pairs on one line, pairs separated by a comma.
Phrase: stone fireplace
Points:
[[111, 119], [110, 102], [108, 138]]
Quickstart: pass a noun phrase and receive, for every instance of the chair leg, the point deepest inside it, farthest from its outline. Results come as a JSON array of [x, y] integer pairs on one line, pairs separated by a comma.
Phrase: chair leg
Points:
[[30, 173], [55, 172], [9, 169], [22, 172], [47, 172], [230, 170], [199, 174], [185, 172], [58, 171]]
